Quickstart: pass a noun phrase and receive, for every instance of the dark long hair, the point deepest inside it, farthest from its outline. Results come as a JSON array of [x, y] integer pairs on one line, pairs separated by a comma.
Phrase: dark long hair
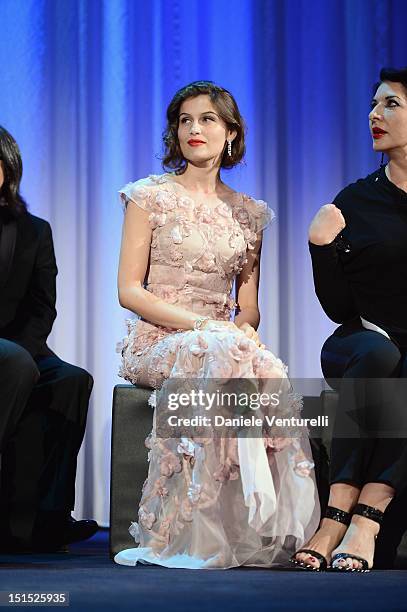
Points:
[[10, 156], [228, 110]]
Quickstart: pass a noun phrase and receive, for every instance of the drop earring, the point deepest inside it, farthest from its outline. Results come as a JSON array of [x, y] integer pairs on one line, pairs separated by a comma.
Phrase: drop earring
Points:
[[230, 148]]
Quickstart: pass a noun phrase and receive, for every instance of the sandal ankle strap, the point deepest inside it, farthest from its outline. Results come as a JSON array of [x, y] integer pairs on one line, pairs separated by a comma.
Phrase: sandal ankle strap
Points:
[[374, 514], [338, 515]]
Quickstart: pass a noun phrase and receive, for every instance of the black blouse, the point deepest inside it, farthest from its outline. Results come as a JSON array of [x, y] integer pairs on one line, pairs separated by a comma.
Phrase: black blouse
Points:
[[364, 272]]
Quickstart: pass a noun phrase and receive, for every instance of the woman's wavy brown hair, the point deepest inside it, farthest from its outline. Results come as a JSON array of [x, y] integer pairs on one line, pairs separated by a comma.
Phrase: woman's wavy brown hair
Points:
[[228, 110]]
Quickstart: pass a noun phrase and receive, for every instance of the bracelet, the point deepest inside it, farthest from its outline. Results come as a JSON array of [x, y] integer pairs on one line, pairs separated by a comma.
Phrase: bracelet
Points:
[[198, 323]]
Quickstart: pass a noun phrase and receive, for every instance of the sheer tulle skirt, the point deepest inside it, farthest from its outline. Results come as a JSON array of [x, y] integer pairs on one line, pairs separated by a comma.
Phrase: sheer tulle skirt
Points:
[[217, 502]]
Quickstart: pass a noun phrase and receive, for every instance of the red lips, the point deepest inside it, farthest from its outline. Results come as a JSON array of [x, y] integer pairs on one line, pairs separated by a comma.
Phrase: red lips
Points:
[[378, 132], [194, 143]]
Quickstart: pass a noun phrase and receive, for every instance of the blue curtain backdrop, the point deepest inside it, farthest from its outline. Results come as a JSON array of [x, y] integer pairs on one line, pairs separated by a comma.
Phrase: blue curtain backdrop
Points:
[[83, 88]]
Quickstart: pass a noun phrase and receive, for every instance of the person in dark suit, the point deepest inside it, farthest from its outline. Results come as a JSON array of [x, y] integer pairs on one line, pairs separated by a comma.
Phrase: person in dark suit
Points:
[[43, 400]]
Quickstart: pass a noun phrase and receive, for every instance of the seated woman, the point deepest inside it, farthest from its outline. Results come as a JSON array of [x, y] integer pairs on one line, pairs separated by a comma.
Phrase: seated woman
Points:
[[208, 502], [360, 279]]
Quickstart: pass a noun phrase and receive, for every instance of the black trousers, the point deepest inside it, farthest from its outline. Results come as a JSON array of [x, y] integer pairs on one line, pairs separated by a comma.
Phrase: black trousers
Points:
[[43, 410], [349, 358], [366, 368]]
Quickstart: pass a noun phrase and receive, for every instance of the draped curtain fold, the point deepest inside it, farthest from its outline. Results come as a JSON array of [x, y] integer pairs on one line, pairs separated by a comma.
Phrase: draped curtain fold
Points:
[[84, 87]]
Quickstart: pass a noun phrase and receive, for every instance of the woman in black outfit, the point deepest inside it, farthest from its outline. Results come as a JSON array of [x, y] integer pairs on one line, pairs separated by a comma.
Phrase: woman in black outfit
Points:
[[359, 254]]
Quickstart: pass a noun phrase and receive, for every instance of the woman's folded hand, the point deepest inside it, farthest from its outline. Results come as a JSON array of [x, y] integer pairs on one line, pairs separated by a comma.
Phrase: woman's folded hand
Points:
[[251, 333]]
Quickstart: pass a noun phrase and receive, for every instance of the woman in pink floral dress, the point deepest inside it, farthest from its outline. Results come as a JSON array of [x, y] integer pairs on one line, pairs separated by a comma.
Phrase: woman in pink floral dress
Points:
[[208, 502]]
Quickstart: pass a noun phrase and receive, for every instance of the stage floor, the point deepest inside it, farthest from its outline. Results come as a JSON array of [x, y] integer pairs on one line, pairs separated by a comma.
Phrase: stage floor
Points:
[[94, 582]]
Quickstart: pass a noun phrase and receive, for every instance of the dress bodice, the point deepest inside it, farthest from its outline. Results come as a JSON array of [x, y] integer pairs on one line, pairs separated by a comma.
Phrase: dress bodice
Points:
[[198, 247]]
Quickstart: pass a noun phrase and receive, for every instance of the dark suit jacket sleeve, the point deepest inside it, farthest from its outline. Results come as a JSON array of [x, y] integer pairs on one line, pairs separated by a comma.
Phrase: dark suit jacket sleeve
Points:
[[331, 285], [39, 306]]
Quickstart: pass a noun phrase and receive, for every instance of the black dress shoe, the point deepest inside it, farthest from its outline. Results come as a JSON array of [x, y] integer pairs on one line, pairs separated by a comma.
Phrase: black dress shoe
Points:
[[54, 536], [76, 531]]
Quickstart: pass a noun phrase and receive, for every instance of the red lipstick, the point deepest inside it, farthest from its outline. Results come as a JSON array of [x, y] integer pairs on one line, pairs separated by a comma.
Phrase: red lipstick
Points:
[[377, 133], [195, 143]]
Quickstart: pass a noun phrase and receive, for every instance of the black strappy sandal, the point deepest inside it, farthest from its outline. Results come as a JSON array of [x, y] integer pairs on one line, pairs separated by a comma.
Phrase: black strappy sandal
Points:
[[374, 515], [336, 515]]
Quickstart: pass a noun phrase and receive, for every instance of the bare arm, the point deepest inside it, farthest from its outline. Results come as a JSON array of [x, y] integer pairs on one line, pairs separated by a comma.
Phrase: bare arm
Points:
[[247, 286], [134, 256]]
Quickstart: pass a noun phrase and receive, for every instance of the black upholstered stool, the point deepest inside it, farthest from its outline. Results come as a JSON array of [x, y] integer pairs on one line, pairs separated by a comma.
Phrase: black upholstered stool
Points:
[[132, 420]]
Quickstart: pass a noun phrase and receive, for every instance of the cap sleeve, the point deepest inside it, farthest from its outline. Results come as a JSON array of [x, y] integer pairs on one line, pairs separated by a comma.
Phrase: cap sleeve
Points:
[[260, 213], [139, 192]]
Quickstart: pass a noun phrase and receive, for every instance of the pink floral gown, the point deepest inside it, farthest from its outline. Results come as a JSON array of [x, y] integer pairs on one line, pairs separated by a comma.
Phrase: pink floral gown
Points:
[[210, 503]]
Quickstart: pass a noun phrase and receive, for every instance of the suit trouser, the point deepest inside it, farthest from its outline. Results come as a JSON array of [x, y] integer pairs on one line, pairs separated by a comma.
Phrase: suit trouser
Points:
[[43, 410]]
